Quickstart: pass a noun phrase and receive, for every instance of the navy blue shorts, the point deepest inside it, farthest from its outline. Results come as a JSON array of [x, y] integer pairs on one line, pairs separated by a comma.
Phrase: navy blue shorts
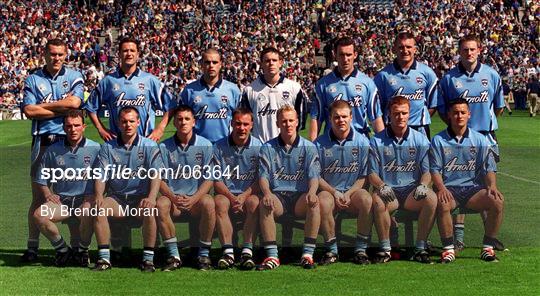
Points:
[[402, 193], [288, 199], [128, 200], [73, 202], [39, 145], [462, 194]]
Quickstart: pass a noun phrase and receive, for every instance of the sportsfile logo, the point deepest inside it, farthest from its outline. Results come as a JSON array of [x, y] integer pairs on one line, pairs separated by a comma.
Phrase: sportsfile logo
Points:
[[122, 172]]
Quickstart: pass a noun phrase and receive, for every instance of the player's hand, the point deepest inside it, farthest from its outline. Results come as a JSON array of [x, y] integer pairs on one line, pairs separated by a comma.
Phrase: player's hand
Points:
[[338, 198], [186, 202], [444, 196], [312, 200], [156, 135], [346, 199], [420, 192], [106, 134], [268, 201], [99, 202], [238, 204], [387, 194], [147, 203], [55, 199], [494, 193]]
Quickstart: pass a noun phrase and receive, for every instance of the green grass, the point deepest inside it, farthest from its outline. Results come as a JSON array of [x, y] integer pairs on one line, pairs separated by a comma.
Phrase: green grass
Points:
[[516, 273]]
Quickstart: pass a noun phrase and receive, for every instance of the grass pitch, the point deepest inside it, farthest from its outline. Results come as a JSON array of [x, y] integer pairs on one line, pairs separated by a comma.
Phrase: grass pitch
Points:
[[516, 273]]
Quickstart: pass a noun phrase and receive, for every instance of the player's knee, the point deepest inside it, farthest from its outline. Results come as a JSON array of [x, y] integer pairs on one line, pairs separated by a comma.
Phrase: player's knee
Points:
[[208, 204], [251, 203], [163, 204], [431, 199], [363, 198], [443, 208], [222, 204]]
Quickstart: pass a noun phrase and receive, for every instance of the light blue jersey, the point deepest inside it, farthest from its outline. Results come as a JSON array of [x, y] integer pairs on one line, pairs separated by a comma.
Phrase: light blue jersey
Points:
[[246, 158], [41, 87], [343, 163], [399, 162], [143, 153], [289, 170], [357, 89], [418, 84], [213, 107], [186, 163], [141, 90], [481, 88], [461, 162], [62, 156]]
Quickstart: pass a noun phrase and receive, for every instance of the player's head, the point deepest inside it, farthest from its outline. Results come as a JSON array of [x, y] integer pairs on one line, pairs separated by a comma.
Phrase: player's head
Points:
[[399, 112], [341, 117], [184, 120], [458, 113], [211, 63], [271, 61], [55, 55], [128, 121], [128, 50], [74, 125], [345, 51], [404, 47], [287, 121], [469, 49], [242, 123]]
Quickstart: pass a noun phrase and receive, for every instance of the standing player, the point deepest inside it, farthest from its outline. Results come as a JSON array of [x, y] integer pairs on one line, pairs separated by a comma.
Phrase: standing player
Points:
[[343, 154], [533, 91], [481, 86], [213, 99], [130, 86], [75, 152], [407, 77], [49, 94], [237, 195], [289, 178], [463, 173], [347, 83], [269, 92], [124, 195], [189, 156], [399, 171]]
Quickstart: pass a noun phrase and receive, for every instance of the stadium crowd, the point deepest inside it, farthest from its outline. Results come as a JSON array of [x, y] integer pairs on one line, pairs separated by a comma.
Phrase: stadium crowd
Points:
[[173, 33]]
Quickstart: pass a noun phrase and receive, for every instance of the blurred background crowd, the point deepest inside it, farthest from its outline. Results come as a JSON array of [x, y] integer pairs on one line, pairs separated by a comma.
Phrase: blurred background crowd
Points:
[[173, 33]]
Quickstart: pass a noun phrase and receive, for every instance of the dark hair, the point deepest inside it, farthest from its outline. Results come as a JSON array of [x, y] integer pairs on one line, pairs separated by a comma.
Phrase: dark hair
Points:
[[55, 42], [74, 114], [128, 39], [403, 36], [183, 108], [457, 101], [344, 41], [467, 38], [271, 50], [127, 109], [243, 111]]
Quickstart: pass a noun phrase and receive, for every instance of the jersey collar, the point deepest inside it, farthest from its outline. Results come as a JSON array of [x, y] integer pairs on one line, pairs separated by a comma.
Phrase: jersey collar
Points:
[[238, 149], [294, 144], [398, 67], [137, 73], [60, 73], [335, 139], [476, 69], [451, 133], [390, 134], [81, 144], [354, 73], [281, 78], [209, 88], [191, 141], [121, 143]]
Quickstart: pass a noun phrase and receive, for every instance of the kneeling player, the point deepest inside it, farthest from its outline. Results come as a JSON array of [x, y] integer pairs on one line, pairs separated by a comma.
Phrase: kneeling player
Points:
[[463, 169], [343, 155], [239, 151], [128, 196], [188, 155], [70, 195], [289, 179], [399, 171]]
